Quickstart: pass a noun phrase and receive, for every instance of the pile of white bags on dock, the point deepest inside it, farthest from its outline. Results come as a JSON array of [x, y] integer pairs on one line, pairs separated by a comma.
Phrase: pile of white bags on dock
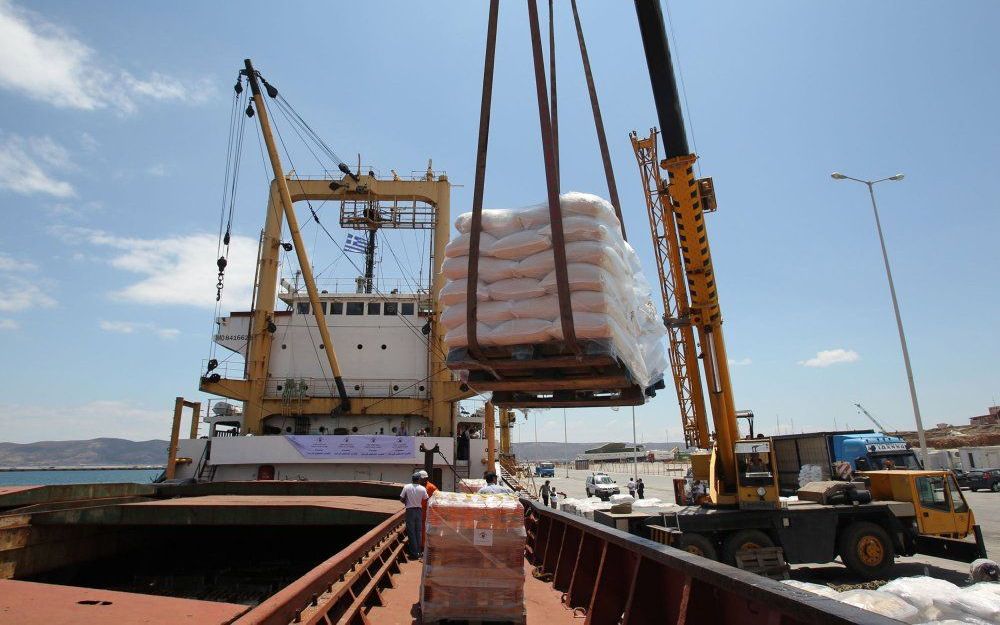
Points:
[[810, 473], [922, 600], [516, 293]]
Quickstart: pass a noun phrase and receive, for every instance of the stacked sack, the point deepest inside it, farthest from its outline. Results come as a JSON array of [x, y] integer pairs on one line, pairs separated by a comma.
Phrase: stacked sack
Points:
[[921, 600], [473, 558], [810, 473], [516, 293]]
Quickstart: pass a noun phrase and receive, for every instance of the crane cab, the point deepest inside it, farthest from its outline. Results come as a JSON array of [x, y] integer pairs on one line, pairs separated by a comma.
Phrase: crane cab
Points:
[[757, 474], [939, 506]]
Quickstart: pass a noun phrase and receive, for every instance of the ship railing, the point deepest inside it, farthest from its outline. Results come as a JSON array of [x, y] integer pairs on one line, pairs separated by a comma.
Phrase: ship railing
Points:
[[405, 288], [302, 388], [340, 589], [228, 369], [616, 577]]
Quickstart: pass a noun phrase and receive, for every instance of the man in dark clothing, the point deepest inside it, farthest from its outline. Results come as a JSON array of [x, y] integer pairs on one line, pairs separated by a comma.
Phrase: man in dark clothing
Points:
[[545, 491], [639, 487]]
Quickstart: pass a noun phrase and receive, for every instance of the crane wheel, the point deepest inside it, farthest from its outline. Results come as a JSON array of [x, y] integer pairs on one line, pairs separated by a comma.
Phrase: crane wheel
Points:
[[744, 540], [866, 550], [698, 544]]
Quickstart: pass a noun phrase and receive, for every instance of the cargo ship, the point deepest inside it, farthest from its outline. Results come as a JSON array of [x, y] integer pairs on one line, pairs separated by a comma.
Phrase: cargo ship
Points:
[[288, 511]]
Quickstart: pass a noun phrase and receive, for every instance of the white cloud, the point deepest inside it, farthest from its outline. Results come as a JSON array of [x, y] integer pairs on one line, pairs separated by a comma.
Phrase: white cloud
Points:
[[157, 170], [134, 327], [828, 357], [24, 423], [21, 286], [46, 62], [9, 324], [178, 270], [8, 264], [25, 164], [742, 362]]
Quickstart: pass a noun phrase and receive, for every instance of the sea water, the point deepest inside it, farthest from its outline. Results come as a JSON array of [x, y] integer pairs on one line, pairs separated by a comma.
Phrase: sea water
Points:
[[81, 476]]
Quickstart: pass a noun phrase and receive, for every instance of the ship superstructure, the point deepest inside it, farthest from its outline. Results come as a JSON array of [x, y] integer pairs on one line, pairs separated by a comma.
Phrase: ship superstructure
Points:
[[317, 363]]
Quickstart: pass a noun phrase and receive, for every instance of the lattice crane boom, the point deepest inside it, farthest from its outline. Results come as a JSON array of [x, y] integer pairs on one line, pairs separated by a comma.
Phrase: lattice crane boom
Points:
[[676, 309]]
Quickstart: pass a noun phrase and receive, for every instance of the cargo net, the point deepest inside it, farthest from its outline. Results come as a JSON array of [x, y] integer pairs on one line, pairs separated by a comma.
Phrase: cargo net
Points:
[[518, 316], [473, 558]]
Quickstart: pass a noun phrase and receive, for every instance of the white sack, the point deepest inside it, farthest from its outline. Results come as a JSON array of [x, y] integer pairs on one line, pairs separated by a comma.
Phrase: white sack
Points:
[[818, 589], [496, 222], [454, 292], [882, 603], [515, 289], [519, 245], [459, 337], [489, 312], [490, 269], [459, 246]]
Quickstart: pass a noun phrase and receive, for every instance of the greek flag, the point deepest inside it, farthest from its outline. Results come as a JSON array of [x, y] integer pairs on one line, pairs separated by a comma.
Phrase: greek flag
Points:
[[355, 243]]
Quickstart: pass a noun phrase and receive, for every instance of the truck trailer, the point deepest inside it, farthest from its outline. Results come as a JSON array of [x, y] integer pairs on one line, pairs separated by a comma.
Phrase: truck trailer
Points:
[[865, 450]]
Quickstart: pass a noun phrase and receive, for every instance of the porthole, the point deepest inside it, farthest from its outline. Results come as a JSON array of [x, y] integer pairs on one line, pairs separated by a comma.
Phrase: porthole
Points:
[[357, 387], [288, 429], [321, 346], [421, 388], [283, 346], [395, 387], [280, 387], [383, 345], [354, 429], [360, 346]]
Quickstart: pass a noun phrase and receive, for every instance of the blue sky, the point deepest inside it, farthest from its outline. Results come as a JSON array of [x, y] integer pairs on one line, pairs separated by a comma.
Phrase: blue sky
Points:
[[113, 122]]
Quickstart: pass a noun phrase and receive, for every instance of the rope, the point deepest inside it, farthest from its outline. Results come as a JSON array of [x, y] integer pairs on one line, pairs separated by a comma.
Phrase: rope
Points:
[[476, 227], [602, 139]]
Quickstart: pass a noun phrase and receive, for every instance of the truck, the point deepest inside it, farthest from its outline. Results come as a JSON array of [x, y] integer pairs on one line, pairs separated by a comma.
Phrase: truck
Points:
[[864, 450], [545, 469], [868, 522]]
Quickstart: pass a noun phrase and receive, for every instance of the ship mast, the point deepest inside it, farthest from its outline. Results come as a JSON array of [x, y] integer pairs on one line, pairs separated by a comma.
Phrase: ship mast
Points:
[[293, 227]]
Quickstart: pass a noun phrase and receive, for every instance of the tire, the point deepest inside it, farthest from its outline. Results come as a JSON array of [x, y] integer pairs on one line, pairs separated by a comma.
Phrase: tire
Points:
[[698, 544], [866, 549], [744, 540], [995, 487]]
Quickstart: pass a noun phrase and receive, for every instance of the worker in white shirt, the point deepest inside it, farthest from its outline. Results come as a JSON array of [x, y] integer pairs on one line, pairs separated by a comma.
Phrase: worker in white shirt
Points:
[[413, 497], [492, 487]]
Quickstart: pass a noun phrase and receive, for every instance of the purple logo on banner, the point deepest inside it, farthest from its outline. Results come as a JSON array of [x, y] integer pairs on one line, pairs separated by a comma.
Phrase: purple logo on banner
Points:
[[353, 447]]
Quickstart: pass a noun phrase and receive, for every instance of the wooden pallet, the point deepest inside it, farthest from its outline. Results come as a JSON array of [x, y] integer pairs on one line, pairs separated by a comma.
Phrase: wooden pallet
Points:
[[546, 376], [767, 561]]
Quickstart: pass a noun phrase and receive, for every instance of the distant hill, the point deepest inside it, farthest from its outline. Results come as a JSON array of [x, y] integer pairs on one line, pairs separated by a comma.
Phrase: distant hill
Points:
[[94, 452], [530, 452]]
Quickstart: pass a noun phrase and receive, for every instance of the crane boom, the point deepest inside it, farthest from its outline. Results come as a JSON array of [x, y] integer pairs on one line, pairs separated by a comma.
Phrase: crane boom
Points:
[[881, 428], [688, 198]]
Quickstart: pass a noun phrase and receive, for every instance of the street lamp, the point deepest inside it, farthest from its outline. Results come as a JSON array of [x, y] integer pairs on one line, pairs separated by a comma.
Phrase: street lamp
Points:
[[895, 304]]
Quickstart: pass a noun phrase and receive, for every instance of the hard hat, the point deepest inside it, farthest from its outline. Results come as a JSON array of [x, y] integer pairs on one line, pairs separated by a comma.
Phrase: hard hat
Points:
[[423, 474]]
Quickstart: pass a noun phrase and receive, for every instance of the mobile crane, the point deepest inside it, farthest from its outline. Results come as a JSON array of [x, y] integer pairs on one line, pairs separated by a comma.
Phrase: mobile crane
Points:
[[866, 522]]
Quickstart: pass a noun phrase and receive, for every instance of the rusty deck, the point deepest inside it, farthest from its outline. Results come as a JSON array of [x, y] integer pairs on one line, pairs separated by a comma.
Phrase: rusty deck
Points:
[[29, 602]]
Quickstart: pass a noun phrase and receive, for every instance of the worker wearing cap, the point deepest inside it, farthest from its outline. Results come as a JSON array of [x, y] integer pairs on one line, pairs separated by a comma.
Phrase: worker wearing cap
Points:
[[413, 497], [431, 489]]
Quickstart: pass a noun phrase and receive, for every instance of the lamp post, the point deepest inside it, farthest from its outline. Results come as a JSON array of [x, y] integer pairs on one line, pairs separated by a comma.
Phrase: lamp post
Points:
[[895, 304], [566, 440]]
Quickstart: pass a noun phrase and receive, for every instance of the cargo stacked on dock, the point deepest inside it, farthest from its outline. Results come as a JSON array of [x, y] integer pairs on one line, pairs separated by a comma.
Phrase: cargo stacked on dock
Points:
[[517, 293], [473, 558]]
